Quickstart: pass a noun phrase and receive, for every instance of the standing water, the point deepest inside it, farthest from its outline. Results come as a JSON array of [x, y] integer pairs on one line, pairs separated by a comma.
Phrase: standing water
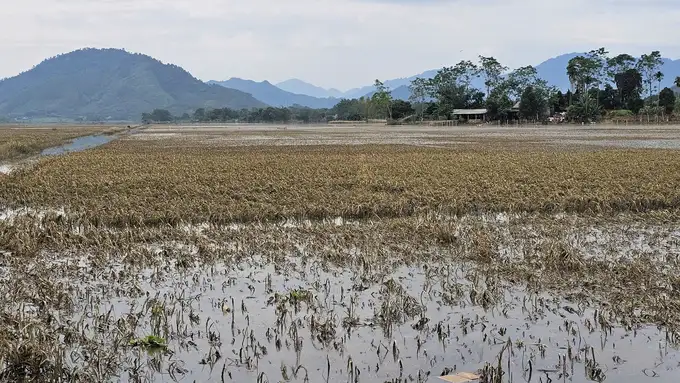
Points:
[[79, 144]]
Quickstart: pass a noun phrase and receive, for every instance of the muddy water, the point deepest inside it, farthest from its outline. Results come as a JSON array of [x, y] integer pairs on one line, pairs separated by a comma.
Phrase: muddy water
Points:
[[79, 144], [238, 323]]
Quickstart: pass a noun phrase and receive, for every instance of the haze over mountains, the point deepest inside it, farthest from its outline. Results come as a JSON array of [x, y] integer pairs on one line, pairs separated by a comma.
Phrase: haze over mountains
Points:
[[95, 84], [272, 95]]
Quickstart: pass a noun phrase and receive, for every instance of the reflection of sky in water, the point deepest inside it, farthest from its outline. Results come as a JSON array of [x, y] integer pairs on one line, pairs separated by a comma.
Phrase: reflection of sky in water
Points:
[[541, 328], [79, 144]]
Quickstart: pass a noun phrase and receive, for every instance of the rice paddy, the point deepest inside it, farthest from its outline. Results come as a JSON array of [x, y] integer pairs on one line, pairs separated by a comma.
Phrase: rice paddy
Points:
[[187, 257]]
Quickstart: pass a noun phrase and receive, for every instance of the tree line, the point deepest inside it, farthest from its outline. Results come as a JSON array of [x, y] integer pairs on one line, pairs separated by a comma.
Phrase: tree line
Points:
[[601, 86], [256, 115]]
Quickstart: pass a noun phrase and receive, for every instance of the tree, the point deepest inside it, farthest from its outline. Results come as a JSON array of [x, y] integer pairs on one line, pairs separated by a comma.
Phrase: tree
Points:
[[598, 59], [609, 98], [498, 104], [199, 114], [620, 64], [648, 66], [582, 72], [419, 91], [677, 81], [159, 115], [401, 109], [446, 92], [519, 79], [658, 76], [531, 105], [465, 71], [558, 102], [382, 99], [584, 109], [667, 100], [491, 71], [629, 84], [349, 110]]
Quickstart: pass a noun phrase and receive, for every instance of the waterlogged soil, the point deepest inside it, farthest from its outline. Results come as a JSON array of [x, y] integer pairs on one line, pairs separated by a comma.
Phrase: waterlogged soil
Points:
[[593, 136], [79, 144], [258, 319], [512, 297]]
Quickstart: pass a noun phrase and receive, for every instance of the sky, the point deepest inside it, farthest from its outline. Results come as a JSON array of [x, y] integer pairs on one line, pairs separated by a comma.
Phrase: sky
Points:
[[333, 43]]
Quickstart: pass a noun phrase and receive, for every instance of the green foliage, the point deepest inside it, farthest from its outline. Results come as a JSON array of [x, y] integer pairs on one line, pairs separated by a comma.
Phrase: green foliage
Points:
[[258, 115], [584, 109], [648, 66], [351, 110], [498, 104], [419, 93], [609, 98], [532, 106], [629, 84], [491, 71], [158, 115], [667, 100], [382, 100], [150, 342], [582, 72], [558, 102], [401, 109], [620, 113], [619, 64]]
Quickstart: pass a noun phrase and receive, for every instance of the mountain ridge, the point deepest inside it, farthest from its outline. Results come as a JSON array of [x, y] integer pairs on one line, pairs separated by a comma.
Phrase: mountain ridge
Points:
[[298, 86], [274, 96], [110, 83]]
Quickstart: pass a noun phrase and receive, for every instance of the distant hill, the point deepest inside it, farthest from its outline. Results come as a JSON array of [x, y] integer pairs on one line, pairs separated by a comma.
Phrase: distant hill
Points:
[[110, 83], [271, 95], [300, 87]]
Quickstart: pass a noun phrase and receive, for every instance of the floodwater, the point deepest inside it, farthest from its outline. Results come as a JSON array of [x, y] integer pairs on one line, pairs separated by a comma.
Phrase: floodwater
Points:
[[240, 323], [603, 135], [79, 144]]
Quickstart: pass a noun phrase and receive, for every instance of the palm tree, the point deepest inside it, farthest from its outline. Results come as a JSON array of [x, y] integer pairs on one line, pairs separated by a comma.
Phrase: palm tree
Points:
[[677, 81], [658, 76]]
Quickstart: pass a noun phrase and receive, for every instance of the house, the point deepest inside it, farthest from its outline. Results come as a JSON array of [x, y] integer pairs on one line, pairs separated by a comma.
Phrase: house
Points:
[[470, 114]]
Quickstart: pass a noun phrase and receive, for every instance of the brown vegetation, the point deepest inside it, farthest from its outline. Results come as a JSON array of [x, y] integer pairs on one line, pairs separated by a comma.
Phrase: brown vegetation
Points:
[[143, 261], [137, 183], [20, 142]]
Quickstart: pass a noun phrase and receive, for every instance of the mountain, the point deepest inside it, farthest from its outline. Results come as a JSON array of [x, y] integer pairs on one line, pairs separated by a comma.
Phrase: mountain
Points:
[[300, 87], [554, 70], [392, 84], [271, 95], [110, 83]]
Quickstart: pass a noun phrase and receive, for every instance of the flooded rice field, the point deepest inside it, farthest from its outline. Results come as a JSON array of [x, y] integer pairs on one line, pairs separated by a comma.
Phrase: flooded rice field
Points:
[[508, 297], [362, 254]]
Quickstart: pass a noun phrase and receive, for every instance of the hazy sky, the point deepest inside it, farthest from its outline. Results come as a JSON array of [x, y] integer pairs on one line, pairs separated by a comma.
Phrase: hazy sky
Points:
[[332, 43]]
